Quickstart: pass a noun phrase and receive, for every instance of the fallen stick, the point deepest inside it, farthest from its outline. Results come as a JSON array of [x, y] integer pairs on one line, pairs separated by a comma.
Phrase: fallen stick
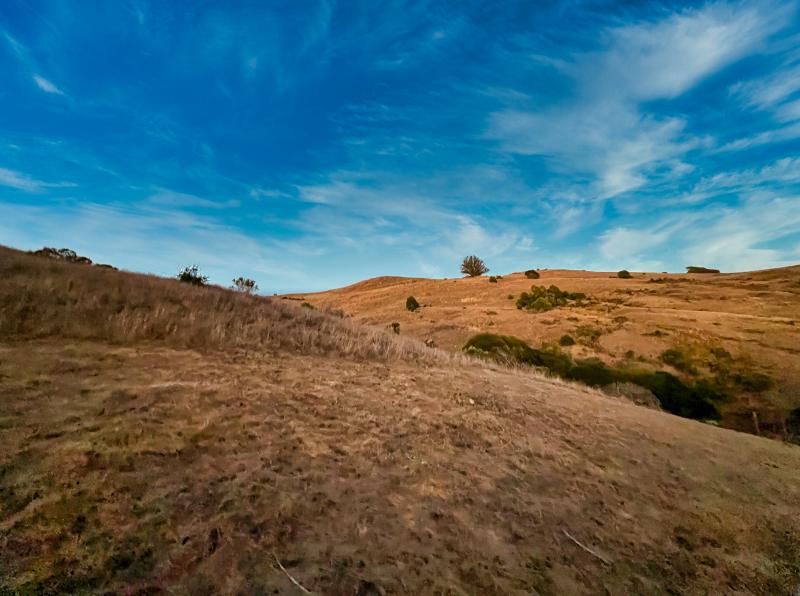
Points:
[[289, 575], [586, 548]]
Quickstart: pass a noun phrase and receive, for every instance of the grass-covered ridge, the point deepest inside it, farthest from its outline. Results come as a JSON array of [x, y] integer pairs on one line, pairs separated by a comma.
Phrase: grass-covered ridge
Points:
[[675, 397], [42, 298]]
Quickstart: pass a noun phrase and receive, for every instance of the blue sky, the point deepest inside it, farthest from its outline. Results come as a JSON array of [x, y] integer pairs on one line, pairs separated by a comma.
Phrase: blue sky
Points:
[[313, 143]]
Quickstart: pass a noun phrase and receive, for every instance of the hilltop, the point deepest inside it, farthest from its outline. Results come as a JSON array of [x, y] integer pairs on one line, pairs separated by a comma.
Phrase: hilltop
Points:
[[743, 326], [161, 437]]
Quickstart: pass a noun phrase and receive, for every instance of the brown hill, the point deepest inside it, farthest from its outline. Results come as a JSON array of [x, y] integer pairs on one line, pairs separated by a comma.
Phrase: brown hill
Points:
[[744, 327], [163, 438]]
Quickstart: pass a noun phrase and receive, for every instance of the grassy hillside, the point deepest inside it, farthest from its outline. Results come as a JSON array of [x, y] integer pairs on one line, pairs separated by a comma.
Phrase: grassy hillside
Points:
[[161, 438], [738, 335]]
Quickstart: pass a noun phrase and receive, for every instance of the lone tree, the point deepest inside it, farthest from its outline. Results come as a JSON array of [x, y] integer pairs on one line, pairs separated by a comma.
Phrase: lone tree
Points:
[[473, 266], [192, 275], [245, 285]]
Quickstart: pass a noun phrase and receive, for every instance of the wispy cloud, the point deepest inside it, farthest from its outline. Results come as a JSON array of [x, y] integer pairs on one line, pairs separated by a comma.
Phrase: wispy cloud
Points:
[[46, 86], [20, 181], [604, 130]]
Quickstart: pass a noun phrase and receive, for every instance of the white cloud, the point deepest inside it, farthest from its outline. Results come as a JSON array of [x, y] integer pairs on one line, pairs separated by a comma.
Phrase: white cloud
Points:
[[20, 181], [46, 85], [602, 130], [743, 237]]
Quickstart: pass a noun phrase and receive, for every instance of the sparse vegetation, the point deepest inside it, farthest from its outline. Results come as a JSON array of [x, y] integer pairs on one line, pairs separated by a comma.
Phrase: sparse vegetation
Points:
[[473, 266], [696, 269], [679, 360], [541, 299], [566, 340], [396, 328], [624, 274], [493, 279], [123, 308], [62, 254], [245, 285], [532, 274], [412, 304], [307, 305], [674, 395], [191, 275]]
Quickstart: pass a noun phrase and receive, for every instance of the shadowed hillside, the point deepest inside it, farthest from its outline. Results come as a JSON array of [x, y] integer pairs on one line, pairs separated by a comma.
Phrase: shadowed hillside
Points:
[[165, 438]]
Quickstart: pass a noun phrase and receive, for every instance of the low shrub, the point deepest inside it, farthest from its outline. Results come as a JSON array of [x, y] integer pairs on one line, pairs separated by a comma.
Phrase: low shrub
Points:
[[62, 254], [191, 275], [675, 397], [532, 274], [755, 382], [412, 304], [492, 280], [679, 360], [624, 274], [307, 305], [696, 269], [396, 328], [541, 299], [566, 340]]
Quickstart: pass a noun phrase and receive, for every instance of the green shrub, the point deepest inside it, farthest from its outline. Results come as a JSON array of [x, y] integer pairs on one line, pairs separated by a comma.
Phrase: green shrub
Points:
[[62, 254], [541, 299], [191, 275], [624, 274], [566, 340], [473, 266], [307, 305], [675, 397], [532, 274], [412, 304], [510, 296], [753, 381], [696, 269], [493, 279], [677, 359], [396, 328]]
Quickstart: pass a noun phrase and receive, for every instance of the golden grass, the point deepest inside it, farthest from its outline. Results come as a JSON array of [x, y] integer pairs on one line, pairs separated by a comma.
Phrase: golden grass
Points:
[[42, 298]]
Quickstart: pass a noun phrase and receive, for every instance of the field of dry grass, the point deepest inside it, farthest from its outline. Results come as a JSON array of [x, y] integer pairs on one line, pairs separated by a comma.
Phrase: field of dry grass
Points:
[[753, 319], [250, 451]]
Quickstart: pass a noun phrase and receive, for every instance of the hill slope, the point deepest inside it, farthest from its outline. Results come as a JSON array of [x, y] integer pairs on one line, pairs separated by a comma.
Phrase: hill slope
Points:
[[745, 324], [141, 458]]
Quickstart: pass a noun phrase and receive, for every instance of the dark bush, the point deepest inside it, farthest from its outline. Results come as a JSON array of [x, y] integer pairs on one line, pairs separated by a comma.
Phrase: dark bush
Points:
[[191, 275], [62, 254], [593, 372], [307, 305], [753, 381], [674, 396], [532, 274], [541, 299], [675, 358], [566, 340], [696, 269], [473, 266], [396, 328], [493, 279], [412, 304], [624, 274]]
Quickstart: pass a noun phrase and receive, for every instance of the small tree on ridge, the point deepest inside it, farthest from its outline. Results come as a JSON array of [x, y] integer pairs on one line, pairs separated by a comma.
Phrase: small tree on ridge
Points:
[[245, 285], [473, 266]]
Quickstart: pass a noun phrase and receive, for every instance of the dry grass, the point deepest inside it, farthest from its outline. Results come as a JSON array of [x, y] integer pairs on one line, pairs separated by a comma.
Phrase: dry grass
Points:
[[41, 298], [291, 441]]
